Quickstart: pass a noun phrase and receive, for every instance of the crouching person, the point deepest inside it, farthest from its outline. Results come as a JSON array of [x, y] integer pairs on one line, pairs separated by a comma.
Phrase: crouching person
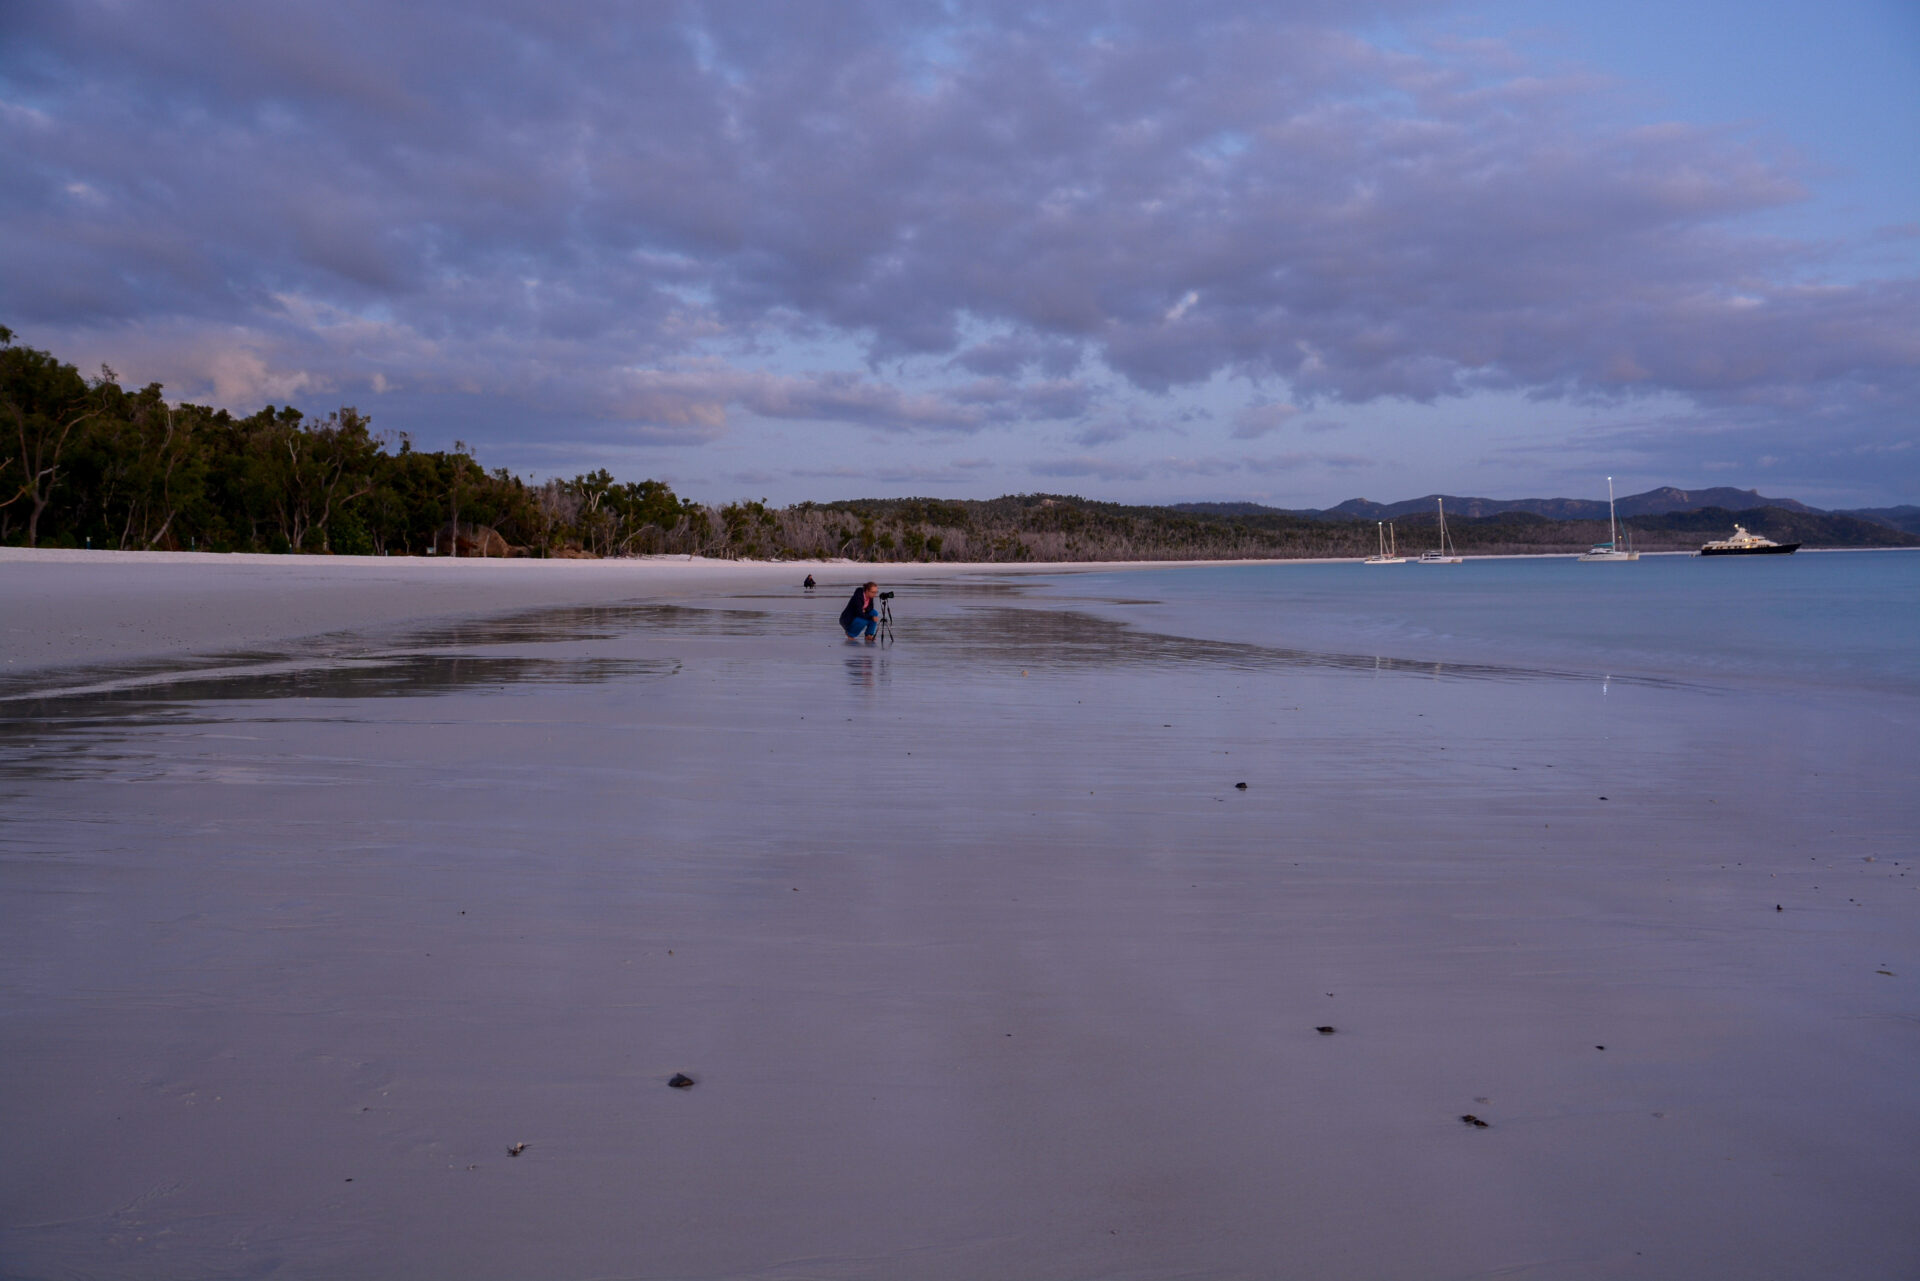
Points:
[[860, 618]]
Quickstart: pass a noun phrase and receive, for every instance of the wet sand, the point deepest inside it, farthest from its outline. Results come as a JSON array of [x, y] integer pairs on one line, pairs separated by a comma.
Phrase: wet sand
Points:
[[981, 961], [64, 607]]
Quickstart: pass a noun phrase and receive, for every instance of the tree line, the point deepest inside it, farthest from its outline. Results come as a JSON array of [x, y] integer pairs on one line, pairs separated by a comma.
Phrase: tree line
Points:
[[88, 463]]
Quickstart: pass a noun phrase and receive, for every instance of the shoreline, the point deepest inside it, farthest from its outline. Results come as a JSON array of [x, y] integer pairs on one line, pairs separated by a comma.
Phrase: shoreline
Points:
[[74, 555], [90, 556], [67, 607], [71, 608]]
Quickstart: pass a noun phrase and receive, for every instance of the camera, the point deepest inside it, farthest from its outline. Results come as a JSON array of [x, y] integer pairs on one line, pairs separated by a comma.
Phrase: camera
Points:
[[886, 595]]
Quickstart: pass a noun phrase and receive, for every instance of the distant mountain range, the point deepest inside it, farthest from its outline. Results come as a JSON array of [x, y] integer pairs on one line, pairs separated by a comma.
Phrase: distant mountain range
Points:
[[1655, 502]]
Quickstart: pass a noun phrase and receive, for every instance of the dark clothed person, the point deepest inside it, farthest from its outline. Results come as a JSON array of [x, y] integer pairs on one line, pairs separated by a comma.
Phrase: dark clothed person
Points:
[[860, 618]]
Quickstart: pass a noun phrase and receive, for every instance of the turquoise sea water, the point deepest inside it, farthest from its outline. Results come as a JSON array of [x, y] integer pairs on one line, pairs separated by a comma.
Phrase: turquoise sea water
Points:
[[1847, 619]]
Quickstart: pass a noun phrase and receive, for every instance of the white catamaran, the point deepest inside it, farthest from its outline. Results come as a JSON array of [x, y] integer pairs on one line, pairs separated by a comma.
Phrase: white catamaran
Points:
[[1389, 550], [1445, 554], [1610, 550]]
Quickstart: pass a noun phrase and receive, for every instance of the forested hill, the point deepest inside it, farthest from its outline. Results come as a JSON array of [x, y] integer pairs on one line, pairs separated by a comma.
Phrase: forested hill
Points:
[[1812, 528], [1059, 527], [88, 463], [1906, 516], [1654, 502]]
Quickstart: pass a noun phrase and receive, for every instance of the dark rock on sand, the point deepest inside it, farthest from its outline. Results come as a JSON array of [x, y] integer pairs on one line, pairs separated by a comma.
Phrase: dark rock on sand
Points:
[[680, 1080], [472, 540]]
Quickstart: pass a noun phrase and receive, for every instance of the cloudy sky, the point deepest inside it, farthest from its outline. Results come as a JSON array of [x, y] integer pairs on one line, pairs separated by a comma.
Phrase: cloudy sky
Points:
[[1292, 252]]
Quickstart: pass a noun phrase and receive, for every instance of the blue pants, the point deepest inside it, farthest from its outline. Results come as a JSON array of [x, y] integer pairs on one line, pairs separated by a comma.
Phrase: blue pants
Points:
[[861, 626]]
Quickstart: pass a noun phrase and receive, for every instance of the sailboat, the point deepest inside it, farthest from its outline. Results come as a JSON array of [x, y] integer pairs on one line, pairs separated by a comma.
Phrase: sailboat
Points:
[[1445, 554], [1389, 552], [1610, 550]]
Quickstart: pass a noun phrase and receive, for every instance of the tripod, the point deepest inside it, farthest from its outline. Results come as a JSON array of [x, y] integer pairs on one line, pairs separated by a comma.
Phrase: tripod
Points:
[[886, 621]]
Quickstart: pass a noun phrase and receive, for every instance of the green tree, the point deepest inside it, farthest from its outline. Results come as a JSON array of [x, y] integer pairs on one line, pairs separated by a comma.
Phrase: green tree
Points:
[[144, 469], [42, 403]]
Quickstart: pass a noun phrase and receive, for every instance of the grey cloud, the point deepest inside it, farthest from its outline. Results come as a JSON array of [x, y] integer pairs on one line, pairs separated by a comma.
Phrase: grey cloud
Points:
[[1135, 419], [958, 471], [703, 394], [1298, 461], [1005, 400], [1084, 466], [1261, 419], [1102, 467], [1008, 356], [1688, 446], [538, 201], [1103, 432]]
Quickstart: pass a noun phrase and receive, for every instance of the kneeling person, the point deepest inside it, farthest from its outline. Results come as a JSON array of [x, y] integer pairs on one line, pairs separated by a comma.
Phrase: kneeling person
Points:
[[860, 618]]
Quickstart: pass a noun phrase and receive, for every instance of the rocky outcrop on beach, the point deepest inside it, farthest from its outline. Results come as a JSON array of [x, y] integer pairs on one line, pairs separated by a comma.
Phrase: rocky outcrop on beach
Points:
[[472, 540]]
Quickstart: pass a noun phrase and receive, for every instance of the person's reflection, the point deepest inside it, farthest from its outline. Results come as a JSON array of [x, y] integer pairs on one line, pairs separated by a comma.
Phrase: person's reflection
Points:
[[867, 668]]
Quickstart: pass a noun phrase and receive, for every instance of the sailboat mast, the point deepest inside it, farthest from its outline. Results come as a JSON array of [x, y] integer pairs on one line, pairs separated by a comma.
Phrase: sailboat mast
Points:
[[1613, 535]]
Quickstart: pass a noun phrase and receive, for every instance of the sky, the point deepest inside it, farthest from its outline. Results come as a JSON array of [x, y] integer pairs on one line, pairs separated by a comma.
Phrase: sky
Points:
[[1284, 252]]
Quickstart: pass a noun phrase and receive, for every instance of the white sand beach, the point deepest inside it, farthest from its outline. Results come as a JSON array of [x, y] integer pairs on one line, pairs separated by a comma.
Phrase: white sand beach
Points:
[[61, 606], [78, 606], [329, 883]]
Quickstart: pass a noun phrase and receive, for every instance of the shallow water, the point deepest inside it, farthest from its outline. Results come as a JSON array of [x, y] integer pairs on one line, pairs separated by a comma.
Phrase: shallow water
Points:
[[1821, 618], [983, 962]]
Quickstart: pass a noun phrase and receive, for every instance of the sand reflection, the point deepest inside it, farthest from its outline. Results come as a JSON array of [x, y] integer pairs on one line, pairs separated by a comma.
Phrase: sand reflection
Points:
[[1062, 638]]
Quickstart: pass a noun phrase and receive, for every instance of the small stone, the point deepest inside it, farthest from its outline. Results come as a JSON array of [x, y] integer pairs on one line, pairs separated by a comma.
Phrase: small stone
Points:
[[1240, 786], [1324, 1031], [1471, 1119], [516, 1149], [679, 1080]]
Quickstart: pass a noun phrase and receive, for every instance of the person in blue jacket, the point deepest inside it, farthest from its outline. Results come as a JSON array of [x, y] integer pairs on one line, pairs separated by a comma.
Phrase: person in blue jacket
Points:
[[860, 618]]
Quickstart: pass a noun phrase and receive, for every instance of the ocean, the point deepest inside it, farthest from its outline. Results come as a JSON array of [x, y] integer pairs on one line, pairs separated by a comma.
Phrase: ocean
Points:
[[1839, 620]]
